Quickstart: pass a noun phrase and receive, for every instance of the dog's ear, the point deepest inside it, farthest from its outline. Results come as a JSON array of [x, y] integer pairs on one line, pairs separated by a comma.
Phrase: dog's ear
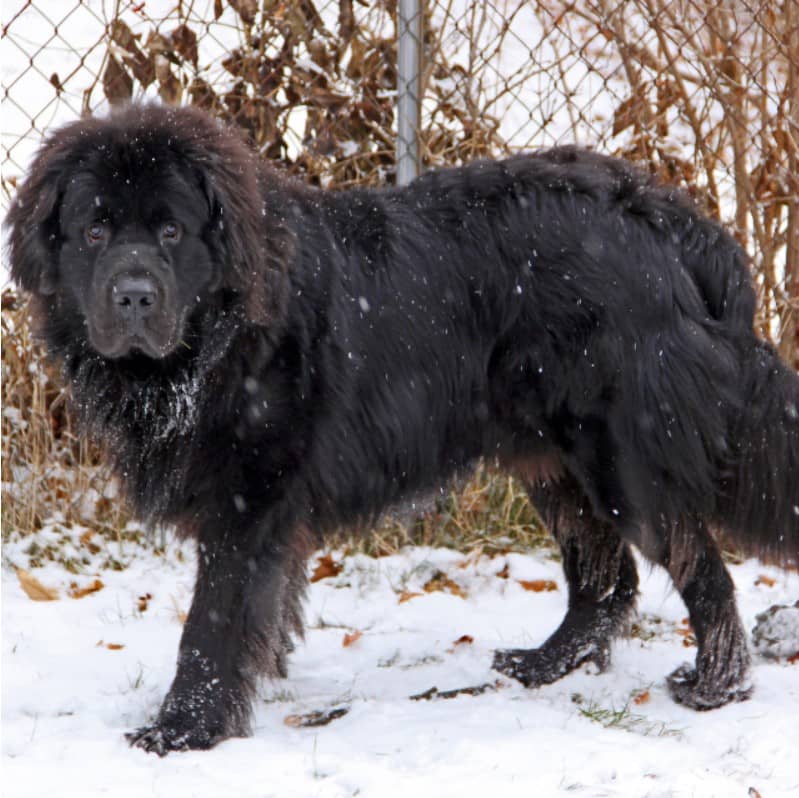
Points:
[[33, 219], [252, 241]]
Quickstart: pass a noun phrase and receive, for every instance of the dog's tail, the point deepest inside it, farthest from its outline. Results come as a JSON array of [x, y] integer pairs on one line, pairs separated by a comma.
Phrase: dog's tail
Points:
[[759, 502]]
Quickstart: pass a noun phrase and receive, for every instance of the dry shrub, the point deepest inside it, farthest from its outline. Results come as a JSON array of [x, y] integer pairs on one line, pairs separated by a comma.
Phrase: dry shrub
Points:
[[48, 473]]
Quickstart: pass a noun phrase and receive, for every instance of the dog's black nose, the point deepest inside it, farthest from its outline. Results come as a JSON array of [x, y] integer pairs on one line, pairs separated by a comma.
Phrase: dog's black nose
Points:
[[135, 296]]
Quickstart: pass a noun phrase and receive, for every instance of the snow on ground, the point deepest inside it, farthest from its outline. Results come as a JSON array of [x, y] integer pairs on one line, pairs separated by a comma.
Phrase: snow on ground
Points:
[[68, 697]]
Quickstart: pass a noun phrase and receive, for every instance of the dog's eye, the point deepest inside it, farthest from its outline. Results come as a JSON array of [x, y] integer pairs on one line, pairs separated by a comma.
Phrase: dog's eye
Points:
[[95, 232], [170, 232]]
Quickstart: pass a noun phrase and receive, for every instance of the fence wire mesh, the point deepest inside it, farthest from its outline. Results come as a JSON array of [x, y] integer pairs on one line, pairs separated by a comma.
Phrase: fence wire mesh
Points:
[[704, 92]]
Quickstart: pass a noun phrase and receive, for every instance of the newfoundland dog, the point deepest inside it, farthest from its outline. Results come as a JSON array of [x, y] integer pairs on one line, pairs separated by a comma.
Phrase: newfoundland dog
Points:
[[263, 362]]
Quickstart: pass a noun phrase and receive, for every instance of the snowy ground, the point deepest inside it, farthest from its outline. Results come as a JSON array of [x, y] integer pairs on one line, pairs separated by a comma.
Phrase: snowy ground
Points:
[[78, 673]]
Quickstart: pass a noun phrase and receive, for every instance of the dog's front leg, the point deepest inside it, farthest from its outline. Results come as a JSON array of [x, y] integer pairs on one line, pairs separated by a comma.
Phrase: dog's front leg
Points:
[[246, 606]]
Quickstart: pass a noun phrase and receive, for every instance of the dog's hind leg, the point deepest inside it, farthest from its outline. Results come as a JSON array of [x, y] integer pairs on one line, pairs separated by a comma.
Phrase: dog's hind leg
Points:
[[602, 581], [721, 672]]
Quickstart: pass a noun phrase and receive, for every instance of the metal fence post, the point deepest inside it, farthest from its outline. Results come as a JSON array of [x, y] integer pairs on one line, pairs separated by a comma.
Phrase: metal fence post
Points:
[[408, 47]]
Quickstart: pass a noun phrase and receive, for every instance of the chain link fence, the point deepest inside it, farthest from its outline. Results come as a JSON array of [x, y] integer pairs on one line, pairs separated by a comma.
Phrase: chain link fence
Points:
[[704, 93]]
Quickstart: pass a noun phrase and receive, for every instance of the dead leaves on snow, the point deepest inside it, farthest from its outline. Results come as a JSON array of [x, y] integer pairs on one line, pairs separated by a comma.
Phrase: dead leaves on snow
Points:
[[441, 582], [641, 697], [77, 592], [33, 588], [37, 591], [538, 585], [326, 566], [350, 638], [110, 646]]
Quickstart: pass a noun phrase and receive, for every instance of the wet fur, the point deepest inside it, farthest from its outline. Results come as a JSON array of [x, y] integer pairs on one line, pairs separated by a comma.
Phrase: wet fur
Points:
[[560, 314]]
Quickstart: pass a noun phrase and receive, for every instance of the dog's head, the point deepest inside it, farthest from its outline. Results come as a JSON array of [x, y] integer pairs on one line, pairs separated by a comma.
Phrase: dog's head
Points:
[[131, 224]]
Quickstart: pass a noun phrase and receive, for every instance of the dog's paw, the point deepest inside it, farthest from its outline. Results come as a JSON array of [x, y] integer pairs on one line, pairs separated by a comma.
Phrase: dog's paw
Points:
[[535, 667], [163, 738], [157, 739], [689, 689], [519, 664], [193, 730]]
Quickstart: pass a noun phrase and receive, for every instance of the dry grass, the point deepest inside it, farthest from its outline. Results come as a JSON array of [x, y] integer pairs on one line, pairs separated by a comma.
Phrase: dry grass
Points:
[[490, 514], [47, 471]]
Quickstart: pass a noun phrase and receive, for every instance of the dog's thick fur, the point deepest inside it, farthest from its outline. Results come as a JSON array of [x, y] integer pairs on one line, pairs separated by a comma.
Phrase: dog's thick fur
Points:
[[319, 355]]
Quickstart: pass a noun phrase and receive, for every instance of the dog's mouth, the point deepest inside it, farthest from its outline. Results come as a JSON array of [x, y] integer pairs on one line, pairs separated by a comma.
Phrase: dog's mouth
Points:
[[141, 367], [140, 346], [155, 339], [118, 344]]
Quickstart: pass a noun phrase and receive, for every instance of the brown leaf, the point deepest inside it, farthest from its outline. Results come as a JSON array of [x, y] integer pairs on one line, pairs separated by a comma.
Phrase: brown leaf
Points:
[[202, 94], [86, 540], [117, 83], [463, 640], [170, 89], [133, 58], [79, 592], [218, 9], [765, 580], [158, 44], [538, 585], [641, 697], [326, 566], [793, 659], [441, 582], [246, 9], [185, 40], [34, 589], [407, 595], [503, 572], [320, 717], [114, 646], [143, 602], [350, 638]]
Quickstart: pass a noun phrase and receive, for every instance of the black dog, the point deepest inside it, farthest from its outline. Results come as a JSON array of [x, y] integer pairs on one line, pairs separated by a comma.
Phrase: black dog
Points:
[[263, 361]]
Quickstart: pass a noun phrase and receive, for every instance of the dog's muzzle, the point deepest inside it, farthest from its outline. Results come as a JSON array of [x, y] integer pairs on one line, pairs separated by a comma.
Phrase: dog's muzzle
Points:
[[134, 306]]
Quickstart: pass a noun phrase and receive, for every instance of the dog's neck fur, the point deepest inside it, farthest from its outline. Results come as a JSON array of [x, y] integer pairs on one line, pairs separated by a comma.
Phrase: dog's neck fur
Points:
[[155, 406]]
